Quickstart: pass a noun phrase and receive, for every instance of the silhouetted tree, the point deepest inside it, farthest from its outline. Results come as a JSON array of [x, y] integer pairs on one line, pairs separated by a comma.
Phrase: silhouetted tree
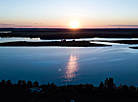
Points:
[[23, 82], [132, 89], [101, 86], [29, 84], [52, 83], [124, 89], [106, 83], [3, 82], [36, 84], [111, 84], [48, 84], [19, 82], [137, 89], [8, 82], [64, 40]]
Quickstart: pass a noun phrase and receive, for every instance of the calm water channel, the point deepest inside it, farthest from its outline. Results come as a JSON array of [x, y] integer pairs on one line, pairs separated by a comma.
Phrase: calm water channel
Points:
[[69, 65]]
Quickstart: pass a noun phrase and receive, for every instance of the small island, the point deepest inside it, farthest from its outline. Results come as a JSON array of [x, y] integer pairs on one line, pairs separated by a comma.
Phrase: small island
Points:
[[54, 43]]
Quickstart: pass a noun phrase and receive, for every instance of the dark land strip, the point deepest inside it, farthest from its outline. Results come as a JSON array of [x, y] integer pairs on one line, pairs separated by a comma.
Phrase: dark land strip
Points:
[[54, 43], [134, 47], [69, 33], [121, 41]]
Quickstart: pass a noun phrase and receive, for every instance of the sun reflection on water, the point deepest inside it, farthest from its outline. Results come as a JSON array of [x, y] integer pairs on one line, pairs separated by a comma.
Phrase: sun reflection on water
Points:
[[71, 68]]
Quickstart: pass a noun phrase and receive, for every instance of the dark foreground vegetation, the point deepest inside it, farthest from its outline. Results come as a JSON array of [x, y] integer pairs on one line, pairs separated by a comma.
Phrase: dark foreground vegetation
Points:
[[33, 92], [51, 33], [54, 43]]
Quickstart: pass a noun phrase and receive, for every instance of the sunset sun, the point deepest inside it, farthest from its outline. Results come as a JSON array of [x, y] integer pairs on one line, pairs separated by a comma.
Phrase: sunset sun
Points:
[[74, 24]]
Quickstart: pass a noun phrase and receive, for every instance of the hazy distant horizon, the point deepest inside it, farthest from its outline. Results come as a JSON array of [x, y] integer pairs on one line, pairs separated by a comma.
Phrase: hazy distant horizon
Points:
[[108, 27], [66, 28]]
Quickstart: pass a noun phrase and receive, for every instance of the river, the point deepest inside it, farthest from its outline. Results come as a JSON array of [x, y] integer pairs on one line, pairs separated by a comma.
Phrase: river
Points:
[[69, 65]]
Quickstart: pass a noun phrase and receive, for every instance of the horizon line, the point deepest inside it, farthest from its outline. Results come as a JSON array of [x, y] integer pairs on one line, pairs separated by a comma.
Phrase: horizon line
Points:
[[67, 28]]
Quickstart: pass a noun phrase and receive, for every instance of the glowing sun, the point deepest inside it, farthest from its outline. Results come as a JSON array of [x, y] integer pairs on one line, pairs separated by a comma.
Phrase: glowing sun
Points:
[[74, 24]]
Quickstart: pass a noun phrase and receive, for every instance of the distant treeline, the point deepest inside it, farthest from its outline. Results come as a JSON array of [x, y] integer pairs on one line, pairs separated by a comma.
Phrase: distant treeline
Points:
[[57, 33], [64, 29]]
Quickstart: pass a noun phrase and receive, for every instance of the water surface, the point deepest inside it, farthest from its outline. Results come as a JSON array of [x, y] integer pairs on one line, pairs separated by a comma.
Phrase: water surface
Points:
[[70, 65]]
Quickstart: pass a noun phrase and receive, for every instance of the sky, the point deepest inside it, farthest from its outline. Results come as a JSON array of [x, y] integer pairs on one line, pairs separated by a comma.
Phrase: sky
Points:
[[60, 13]]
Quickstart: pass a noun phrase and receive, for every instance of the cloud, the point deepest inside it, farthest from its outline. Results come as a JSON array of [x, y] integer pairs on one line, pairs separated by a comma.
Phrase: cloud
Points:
[[125, 25], [37, 23], [23, 26], [58, 26], [6, 24]]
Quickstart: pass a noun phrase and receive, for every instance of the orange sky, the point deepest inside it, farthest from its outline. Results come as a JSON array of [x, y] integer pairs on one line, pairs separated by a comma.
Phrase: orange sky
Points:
[[60, 13]]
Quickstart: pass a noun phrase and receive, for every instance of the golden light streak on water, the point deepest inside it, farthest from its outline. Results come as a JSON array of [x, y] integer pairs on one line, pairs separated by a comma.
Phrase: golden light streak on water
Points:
[[71, 68]]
